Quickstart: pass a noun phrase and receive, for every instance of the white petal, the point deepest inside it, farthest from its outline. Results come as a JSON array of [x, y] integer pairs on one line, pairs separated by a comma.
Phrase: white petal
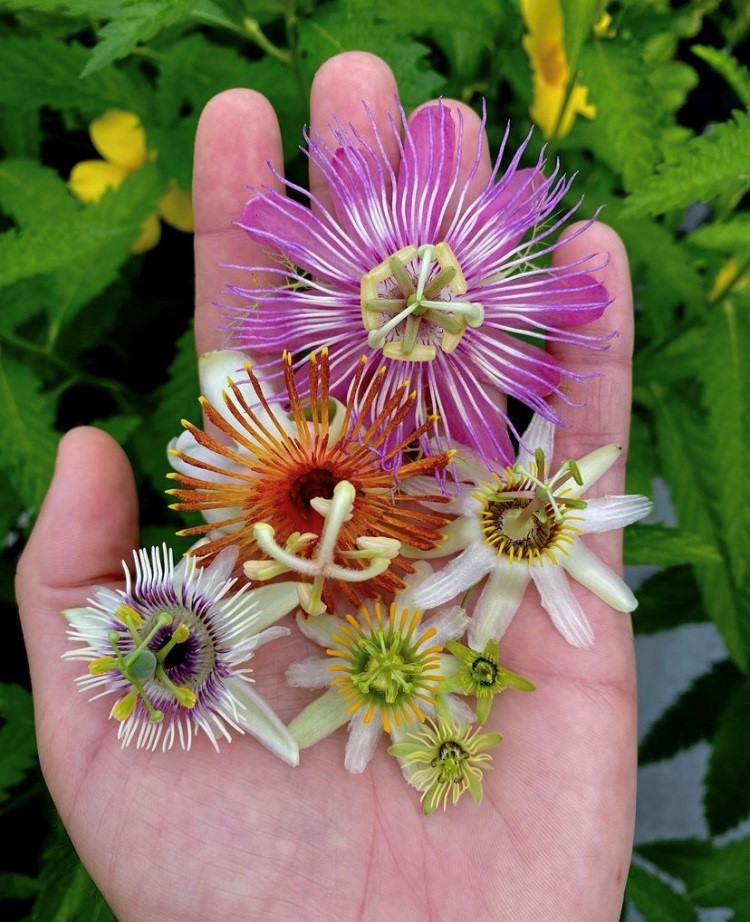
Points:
[[498, 602], [426, 486], [460, 710], [85, 619], [360, 747], [257, 718], [448, 623], [268, 604], [563, 608], [336, 423], [459, 533], [422, 572], [319, 719], [320, 628], [221, 567], [539, 434], [310, 673], [592, 466], [612, 512], [462, 572], [270, 633], [586, 568]]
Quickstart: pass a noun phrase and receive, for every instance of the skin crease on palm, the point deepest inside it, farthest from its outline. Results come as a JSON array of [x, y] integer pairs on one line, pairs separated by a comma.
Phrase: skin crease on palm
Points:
[[239, 835]]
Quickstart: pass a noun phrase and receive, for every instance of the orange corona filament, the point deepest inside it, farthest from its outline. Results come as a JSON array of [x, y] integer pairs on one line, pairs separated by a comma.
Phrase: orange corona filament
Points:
[[282, 462]]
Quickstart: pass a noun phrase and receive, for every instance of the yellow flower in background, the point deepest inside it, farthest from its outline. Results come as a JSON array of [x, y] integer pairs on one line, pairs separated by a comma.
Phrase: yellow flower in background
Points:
[[119, 137], [729, 276], [544, 45]]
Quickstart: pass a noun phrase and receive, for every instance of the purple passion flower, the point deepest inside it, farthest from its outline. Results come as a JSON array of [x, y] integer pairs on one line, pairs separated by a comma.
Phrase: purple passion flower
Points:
[[440, 285], [172, 645]]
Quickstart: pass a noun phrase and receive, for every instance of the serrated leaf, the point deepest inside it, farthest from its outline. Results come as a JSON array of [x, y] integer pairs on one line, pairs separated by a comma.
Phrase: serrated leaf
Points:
[[693, 716], [67, 892], [108, 226], [726, 392], [349, 26], [732, 236], [655, 899], [713, 875], [132, 22], [728, 67], [17, 739], [716, 163], [726, 793], [31, 193], [43, 71], [667, 600], [689, 457], [659, 546], [26, 432], [119, 427], [623, 131]]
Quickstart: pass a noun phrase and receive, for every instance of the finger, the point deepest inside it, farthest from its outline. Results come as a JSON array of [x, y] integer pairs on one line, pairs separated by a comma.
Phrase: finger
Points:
[[87, 525], [238, 135], [605, 392], [343, 90]]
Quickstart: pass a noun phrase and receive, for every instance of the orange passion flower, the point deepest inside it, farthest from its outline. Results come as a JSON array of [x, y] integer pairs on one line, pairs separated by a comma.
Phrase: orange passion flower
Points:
[[302, 483]]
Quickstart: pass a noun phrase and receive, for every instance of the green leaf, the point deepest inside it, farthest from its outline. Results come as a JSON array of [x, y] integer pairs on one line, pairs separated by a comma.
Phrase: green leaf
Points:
[[68, 894], [623, 131], [726, 392], [713, 875], [350, 25], [693, 716], [26, 432], [17, 739], [728, 67], [716, 163], [17, 886], [668, 600], [726, 794], [578, 20], [689, 458], [659, 546], [43, 71], [133, 22], [732, 236], [655, 899], [110, 225], [31, 193]]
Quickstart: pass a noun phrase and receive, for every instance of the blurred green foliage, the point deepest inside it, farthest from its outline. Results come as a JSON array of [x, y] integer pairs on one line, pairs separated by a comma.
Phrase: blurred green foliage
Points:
[[91, 333]]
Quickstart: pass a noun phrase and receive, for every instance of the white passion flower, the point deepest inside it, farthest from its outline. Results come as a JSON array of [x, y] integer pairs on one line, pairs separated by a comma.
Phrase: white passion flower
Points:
[[172, 645], [382, 671], [524, 525]]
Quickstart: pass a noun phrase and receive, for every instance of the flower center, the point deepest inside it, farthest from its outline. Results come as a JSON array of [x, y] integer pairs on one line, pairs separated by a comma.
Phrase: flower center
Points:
[[524, 516], [318, 482], [484, 672], [450, 758], [412, 286], [385, 665]]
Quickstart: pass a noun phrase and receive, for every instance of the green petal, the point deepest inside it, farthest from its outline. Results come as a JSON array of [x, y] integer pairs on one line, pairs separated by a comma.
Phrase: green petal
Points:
[[319, 719]]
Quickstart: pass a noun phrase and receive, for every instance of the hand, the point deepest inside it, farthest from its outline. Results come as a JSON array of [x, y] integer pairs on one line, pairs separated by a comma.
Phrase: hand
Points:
[[240, 835]]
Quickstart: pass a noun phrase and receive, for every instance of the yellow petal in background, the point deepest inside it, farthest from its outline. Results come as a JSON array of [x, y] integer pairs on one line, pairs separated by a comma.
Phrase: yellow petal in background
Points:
[[90, 179], [149, 236], [119, 137], [176, 208]]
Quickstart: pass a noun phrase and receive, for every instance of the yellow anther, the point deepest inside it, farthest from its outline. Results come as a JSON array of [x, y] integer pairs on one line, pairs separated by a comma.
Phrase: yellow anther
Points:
[[123, 708]]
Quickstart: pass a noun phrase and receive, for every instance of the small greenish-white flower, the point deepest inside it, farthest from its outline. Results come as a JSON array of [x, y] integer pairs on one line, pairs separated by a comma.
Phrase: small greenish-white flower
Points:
[[443, 760], [481, 675], [525, 525], [172, 645], [382, 672]]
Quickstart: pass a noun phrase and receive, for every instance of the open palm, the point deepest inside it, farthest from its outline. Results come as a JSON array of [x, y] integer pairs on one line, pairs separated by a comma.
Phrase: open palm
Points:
[[240, 835]]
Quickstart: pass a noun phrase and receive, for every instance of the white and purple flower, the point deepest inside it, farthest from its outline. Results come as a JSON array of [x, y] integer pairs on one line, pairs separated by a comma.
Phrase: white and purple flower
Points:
[[171, 646], [439, 284]]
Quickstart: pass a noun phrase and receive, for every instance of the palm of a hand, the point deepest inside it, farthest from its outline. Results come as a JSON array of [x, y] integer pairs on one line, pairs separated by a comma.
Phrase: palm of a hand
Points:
[[240, 835]]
